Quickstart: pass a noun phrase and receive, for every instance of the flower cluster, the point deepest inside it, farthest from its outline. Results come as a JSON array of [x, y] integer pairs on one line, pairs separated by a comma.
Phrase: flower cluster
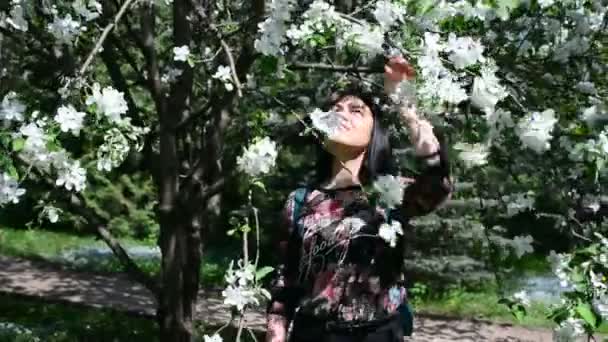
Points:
[[389, 231], [328, 123], [390, 190], [272, 30], [108, 102], [535, 130], [242, 289], [258, 158], [224, 74], [472, 154], [9, 190]]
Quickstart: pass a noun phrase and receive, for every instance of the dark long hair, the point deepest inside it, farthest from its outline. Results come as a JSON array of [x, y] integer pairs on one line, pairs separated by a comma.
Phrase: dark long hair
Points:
[[378, 157]]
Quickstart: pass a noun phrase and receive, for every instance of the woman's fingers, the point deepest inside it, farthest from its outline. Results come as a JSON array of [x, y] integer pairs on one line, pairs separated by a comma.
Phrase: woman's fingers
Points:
[[398, 68], [345, 122]]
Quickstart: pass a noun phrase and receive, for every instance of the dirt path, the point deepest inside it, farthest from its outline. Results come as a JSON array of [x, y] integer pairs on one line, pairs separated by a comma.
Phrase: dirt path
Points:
[[29, 278]]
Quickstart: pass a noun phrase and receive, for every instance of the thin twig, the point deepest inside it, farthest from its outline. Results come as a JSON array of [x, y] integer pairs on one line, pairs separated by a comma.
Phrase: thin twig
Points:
[[252, 335], [257, 235], [240, 331], [235, 77], [104, 35], [337, 68]]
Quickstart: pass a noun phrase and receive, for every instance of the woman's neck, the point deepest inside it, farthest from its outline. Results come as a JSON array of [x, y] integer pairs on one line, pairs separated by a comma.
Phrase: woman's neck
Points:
[[345, 172]]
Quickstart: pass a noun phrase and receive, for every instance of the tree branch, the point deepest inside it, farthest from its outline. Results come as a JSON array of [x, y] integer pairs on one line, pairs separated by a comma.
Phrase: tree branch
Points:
[[131, 268], [235, 77], [105, 34], [334, 68]]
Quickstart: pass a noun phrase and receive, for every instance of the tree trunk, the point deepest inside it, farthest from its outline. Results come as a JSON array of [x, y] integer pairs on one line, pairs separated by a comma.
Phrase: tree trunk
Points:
[[179, 238], [182, 254]]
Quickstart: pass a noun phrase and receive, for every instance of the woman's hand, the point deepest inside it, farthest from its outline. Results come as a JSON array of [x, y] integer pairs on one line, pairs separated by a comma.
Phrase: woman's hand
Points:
[[396, 70]]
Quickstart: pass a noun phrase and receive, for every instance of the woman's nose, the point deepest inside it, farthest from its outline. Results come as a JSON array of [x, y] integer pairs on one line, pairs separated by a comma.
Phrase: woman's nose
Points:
[[345, 119]]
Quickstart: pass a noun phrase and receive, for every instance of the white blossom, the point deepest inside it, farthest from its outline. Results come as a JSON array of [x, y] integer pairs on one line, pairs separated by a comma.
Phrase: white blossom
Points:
[[212, 338], [35, 137], [522, 245], [51, 213], [545, 3], [65, 30], [328, 123], [388, 232], [9, 190], [600, 305], [109, 102], [181, 53], [569, 330], [559, 266], [445, 88], [465, 51], [498, 120], [353, 224], [472, 154], [171, 75], [113, 151], [368, 38], [17, 18], [535, 130], [224, 74], [592, 115], [519, 202], [88, 9], [390, 190], [318, 16], [586, 87], [239, 297], [388, 13], [522, 297], [258, 158], [487, 90], [71, 176], [69, 119], [11, 108], [241, 290], [432, 44], [272, 30]]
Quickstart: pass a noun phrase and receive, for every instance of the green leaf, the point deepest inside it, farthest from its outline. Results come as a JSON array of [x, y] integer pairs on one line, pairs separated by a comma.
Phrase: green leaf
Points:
[[262, 272], [577, 275], [12, 171], [18, 144], [586, 313], [260, 185], [245, 228], [519, 311], [231, 232]]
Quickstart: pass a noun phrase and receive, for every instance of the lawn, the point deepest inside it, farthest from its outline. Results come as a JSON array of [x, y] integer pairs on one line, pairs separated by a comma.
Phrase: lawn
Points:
[[88, 253], [455, 301]]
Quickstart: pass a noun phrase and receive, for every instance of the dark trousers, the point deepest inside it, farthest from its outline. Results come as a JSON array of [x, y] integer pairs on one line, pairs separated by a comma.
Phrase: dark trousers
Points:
[[310, 329]]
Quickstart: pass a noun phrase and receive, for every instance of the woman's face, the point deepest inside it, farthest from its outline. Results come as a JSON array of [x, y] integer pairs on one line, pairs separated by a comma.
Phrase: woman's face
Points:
[[357, 124]]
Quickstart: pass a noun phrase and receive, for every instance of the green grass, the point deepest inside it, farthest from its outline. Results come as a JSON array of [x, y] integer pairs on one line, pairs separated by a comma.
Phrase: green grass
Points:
[[44, 244], [62, 323], [58, 322], [48, 246], [483, 304]]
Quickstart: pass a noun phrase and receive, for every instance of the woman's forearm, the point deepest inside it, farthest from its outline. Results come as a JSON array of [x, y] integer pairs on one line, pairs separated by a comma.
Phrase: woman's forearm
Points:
[[422, 137], [276, 328]]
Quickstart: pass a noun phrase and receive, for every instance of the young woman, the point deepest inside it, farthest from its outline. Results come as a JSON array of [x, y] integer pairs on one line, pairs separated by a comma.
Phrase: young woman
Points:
[[340, 281]]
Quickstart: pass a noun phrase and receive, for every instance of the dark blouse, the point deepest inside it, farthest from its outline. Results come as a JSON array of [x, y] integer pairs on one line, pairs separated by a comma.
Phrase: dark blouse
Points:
[[336, 266]]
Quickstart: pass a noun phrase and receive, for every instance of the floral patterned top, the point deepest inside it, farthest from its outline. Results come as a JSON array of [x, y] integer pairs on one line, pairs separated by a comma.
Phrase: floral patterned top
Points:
[[336, 266]]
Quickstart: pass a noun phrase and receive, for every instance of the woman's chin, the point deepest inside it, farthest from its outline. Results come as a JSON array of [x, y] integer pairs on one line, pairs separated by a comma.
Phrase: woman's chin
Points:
[[341, 143]]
